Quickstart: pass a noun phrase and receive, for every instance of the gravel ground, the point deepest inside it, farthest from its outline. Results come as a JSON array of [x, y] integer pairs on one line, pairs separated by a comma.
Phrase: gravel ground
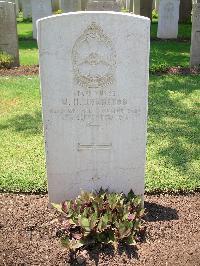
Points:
[[28, 234]]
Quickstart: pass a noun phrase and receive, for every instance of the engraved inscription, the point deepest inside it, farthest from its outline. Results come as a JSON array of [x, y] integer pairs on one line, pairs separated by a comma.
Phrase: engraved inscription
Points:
[[197, 36], [94, 146], [94, 58]]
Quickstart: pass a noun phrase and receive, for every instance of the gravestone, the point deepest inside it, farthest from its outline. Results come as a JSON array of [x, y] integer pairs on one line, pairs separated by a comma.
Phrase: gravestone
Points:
[[16, 6], [70, 5], [40, 9], [8, 31], [26, 7], [195, 42], [168, 19], [106, 5], [94, 97]]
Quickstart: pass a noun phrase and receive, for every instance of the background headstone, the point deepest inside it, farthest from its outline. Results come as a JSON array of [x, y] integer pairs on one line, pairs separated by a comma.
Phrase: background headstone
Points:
[[16, 6], [94, 90], [26, 8], [185, 11], [70, 5], [8, 31], [40, 9], [105, 5], [168, 19], [195, 42]]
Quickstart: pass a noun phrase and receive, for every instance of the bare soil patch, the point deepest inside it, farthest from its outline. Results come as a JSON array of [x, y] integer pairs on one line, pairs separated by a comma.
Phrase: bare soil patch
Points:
[[20, 71], [28, 234], [34, 70]]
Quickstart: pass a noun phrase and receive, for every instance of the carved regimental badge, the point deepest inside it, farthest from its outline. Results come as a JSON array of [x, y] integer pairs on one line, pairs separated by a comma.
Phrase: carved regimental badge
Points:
[[94, 58]]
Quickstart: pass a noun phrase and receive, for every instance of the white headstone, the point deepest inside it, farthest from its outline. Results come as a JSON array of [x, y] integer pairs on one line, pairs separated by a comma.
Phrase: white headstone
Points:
[[26, 7], [195, 43], [94, 92], [40, 9], [168, 19], [70, 5], [104, 5], [8, 30]]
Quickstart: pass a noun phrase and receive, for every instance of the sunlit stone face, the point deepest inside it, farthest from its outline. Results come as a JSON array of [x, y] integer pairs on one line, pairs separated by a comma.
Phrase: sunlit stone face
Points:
[[94, 58]]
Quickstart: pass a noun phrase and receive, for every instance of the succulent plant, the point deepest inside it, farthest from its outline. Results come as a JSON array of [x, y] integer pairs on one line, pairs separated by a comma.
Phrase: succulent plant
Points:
[[100, 217]]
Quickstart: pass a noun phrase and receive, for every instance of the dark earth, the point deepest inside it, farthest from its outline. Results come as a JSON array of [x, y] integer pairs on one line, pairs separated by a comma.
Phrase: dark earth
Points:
[[34, 70], [28, 234]]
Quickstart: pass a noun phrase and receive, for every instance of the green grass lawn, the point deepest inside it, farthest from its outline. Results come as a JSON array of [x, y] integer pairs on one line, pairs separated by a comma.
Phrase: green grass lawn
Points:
[[21, 142], [173, 137]]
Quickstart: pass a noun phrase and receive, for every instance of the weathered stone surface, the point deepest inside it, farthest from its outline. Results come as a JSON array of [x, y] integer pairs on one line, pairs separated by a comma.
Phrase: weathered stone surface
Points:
[[185, 11], [94, 90], [168, 19], [40, 9], [8, 30], [16, 5], [195, 42], [26, 7], [106, 5], [70, 5]]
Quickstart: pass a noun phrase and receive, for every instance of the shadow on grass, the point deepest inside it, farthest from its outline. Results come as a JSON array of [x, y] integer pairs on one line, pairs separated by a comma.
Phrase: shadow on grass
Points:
[[27, 44], [30, 124], [173, 120], [169, 53]]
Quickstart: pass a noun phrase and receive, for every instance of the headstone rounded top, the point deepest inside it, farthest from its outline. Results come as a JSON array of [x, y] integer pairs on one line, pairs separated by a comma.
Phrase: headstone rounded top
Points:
[[84, 13]]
